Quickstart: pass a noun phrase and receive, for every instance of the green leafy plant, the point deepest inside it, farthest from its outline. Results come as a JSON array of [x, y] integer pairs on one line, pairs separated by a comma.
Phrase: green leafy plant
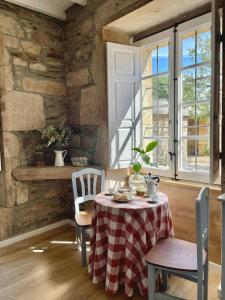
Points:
[[143, 155], [55, 137]]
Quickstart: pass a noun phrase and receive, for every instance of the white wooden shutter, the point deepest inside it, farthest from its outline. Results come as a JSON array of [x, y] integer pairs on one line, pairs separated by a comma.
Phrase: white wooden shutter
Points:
[[215, 96], [124, 103]]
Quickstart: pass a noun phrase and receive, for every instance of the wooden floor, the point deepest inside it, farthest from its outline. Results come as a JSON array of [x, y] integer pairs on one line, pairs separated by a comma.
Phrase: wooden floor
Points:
[[47, 268]]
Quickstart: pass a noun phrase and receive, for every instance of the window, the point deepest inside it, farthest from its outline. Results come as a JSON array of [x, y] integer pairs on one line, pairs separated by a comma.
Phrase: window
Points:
[[194, 86], [166, 82], [156, 99]]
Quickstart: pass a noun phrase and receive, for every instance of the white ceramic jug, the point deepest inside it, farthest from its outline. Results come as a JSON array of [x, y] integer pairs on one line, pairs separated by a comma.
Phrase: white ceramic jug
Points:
[[59, 158], [152, 185]]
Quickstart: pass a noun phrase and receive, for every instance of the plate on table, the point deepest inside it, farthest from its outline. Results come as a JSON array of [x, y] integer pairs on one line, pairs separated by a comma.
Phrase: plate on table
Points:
[[124, 190], [153, 199], [123, 197]]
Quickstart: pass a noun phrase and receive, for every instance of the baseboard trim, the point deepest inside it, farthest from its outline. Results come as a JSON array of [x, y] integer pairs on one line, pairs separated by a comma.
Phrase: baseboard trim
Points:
[[35, 232]]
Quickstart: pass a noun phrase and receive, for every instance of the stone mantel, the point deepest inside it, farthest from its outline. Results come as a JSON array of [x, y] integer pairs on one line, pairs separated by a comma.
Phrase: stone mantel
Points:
[[46, 172]]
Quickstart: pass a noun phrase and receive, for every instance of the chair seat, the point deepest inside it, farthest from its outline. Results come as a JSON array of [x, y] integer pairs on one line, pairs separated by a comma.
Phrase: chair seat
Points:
[[83, 218], [175, 254]]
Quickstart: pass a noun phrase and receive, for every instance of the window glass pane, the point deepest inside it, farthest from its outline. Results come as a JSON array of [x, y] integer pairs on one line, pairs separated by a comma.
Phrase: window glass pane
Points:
[[188, 131], [203, 156], [203, 130], [188, 154], [163, 131], [149, 132], [188, 115], [163, 58], [149, 92], [188, 85], [147, 61], [188, 49], [202, 114], [154, 61], [163, 89], [162, 150], [203, 88], [149, 117], [203, 45], [203, 71], [163, 116], [159, 156]]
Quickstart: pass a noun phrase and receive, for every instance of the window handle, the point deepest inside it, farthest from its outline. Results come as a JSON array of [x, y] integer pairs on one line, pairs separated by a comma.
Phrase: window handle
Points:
[[171, 154]]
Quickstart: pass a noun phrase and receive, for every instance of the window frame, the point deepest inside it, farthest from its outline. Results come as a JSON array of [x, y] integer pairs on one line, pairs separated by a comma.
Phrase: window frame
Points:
[[164, 36], [191, 25], [175, 93]]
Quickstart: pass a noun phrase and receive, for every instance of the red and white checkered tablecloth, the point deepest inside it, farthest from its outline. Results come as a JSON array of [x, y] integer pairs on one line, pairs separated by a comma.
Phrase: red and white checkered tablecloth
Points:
[[121, 236]]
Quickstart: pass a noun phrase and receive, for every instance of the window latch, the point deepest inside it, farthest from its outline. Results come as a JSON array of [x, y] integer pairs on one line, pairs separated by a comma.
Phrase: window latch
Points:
[[171, 154]]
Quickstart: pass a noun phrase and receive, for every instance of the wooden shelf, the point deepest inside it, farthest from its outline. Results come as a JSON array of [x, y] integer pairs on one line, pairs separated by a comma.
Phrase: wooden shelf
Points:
[[46, 172]]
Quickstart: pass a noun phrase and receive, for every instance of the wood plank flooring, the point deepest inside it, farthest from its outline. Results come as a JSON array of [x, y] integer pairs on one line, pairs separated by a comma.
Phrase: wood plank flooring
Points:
[[47, 267]]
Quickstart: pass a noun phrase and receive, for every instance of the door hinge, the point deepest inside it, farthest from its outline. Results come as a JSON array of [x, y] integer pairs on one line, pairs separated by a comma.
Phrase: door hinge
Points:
[[220, 155]]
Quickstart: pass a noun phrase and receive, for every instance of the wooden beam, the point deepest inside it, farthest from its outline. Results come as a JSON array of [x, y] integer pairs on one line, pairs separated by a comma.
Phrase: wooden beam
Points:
[[175, 21], [80, 2]]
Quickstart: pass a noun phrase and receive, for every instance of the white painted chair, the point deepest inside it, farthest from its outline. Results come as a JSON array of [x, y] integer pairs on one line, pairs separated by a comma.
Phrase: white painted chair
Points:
[[181, 258], [83, 218]]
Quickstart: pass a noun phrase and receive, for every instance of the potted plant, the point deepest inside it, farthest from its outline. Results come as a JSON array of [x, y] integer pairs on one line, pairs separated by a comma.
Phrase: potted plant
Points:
[[137, 180], [56, 138]]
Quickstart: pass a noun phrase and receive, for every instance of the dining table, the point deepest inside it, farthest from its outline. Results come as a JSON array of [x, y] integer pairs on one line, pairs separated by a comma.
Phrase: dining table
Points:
[[121, 235]]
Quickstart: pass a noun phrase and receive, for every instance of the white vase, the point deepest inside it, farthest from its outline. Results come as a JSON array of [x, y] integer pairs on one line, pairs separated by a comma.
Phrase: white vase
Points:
[[59, 158]]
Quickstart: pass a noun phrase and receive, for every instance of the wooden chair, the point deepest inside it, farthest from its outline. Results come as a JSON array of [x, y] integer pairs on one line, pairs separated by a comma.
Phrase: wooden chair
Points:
[[181, 258], [83, 218]]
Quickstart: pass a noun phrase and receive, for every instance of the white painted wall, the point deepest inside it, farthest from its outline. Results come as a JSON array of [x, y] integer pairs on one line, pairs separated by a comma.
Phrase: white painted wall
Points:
[[54, 8]]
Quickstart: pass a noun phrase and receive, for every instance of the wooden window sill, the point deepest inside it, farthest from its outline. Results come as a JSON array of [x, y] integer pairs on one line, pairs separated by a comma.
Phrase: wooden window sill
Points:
[[188, 183]]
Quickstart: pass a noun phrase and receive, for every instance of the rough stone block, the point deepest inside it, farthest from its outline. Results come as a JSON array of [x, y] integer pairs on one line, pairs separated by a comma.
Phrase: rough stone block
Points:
[[75, 141], [89, 106], [78, 78], [88, 143], [22, 193], [6, 80], [10, 26], [11, 42], [31, 48], [17, 61], [46, 87], [11, 144], [22, 111], [88, 24], [38, 67]]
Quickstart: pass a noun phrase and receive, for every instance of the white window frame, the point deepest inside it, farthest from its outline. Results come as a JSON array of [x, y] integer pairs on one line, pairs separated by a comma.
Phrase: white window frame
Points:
[[164, 36], [174, 36], [191, 25]]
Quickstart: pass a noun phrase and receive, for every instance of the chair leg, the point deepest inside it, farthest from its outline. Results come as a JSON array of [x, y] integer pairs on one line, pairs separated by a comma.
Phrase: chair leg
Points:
[[200, 287], [77, 238], [151, 282], [206, 270], [83, 247], [164, 279]]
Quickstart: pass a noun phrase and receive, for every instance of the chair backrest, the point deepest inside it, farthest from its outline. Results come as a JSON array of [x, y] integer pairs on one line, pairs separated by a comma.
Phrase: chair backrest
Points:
[[202, 224], [92, 177]]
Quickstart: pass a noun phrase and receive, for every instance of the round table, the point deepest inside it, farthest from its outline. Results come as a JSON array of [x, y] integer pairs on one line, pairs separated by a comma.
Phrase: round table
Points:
[[121, 236]]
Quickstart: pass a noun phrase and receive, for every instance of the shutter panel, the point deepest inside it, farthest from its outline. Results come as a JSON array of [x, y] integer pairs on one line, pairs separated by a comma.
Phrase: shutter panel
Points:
[[124, 103], [215, 94]]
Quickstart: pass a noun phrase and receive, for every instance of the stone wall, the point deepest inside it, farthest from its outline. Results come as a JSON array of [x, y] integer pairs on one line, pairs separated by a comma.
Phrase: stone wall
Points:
[[44, 80], [33, 94]]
